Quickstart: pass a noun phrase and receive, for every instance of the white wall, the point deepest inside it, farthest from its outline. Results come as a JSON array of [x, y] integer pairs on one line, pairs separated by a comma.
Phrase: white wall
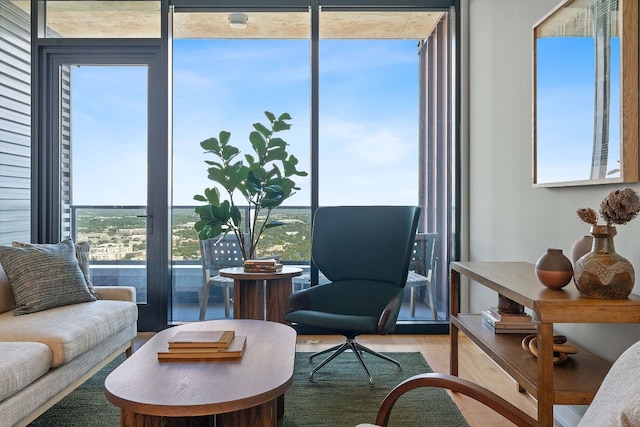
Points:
[[509, 220]]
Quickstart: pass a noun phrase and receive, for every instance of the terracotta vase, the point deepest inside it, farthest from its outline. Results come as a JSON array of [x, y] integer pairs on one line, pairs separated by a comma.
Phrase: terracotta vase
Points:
[[603, 273], [553, 269], [581, 247]]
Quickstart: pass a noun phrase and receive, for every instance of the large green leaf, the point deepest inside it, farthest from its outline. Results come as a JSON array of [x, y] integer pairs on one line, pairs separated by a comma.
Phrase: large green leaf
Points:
[[211, 144], [270, 116], [221, 213], [277, 142], [229, 152], [276, 154], [205, 213], [236, 216], [258, 174], [290, 167], [258, 143], [279, 126], [273, 201], [273, 188], [214, 163], [262, 129], [210, 231], [224, 137], [213, 196]]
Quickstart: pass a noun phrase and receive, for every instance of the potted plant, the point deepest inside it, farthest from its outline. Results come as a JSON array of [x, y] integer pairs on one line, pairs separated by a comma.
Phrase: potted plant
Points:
[[264, 182]]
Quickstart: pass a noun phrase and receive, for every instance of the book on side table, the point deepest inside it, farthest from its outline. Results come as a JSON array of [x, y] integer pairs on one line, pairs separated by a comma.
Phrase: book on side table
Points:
[[262, 266]]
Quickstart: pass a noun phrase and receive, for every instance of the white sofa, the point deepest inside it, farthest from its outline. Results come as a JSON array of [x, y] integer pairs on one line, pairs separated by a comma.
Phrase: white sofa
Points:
[[47, 354]]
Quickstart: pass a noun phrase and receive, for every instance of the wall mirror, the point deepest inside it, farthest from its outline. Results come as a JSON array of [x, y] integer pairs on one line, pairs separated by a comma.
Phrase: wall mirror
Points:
[[585, 98]]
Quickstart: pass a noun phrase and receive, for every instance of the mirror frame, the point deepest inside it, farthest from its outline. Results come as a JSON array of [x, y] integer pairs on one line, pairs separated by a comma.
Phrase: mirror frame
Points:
[[629, 94]]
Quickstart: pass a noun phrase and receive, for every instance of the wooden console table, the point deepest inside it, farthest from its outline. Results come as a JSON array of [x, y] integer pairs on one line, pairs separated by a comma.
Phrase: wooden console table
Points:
[[573, 383]]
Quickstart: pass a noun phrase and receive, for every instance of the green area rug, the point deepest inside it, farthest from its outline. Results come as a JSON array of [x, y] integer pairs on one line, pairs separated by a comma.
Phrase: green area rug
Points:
[[338, 396]]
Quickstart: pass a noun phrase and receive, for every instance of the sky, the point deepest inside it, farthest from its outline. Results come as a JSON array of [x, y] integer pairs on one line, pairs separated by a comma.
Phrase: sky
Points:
[[368, 118]]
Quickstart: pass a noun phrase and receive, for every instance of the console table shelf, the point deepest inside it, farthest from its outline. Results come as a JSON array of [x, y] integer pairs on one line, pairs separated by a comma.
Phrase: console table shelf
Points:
[[573, 383]]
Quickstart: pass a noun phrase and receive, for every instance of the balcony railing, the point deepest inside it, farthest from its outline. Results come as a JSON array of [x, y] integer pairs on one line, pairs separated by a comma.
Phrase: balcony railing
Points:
[[117, 235]]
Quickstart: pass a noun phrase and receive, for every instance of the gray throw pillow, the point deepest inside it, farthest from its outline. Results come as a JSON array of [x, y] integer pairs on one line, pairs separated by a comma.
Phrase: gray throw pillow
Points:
[[82, 255], [44, 276]]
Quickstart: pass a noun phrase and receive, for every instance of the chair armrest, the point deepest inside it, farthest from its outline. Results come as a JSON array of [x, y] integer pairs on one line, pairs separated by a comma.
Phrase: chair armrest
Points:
[[458, 385], [300, 300], [117, 293], [389, 316]]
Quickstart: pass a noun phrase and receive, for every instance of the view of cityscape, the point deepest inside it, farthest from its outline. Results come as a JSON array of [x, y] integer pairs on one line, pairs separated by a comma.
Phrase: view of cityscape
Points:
[[119, 234]]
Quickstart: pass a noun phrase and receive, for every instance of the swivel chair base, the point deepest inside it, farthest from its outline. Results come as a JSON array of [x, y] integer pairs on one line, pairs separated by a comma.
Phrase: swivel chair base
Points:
[[356, 348]]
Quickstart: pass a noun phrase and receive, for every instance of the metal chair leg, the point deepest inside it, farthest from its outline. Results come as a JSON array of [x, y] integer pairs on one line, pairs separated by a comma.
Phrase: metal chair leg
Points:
[[329, 350], [375, 353], [341, 348], [356, 348]]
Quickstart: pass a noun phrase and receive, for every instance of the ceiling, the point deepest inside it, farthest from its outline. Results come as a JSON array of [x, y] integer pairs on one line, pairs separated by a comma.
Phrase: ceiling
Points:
[[141, 19]]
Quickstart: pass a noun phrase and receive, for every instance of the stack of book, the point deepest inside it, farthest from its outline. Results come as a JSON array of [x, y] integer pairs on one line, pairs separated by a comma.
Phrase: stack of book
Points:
[[508, 323], [262, 266], [203, 345]]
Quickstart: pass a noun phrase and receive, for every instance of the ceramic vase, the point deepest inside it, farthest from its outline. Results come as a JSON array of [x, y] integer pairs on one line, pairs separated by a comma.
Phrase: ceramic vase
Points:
[[581, 247], [553, 269], [603, 273]]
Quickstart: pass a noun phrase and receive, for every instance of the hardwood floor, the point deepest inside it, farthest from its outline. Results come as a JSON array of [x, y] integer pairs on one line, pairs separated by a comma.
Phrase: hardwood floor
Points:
[[473, 365]]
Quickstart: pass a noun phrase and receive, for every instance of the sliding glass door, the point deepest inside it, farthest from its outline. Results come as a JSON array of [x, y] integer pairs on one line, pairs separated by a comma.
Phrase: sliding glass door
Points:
[[105, 131]]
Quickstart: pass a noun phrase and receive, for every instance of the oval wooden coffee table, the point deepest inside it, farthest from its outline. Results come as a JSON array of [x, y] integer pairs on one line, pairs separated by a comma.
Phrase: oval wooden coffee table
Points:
[[248, 391]]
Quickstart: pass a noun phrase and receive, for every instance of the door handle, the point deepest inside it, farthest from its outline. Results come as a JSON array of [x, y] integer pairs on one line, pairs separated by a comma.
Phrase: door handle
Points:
[[149, 222]]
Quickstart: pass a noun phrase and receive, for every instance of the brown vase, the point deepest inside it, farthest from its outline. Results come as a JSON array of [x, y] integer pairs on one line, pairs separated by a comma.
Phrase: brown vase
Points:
[[553, 269], [603, 273]]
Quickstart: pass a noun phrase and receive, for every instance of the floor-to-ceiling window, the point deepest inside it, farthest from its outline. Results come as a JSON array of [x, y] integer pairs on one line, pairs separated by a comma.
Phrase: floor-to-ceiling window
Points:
[[367, 87], [374, 132], [225, 78], [360, 88]]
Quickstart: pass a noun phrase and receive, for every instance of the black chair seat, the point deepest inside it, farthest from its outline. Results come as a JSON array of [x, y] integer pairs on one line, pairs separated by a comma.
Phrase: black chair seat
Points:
[[339, 323]]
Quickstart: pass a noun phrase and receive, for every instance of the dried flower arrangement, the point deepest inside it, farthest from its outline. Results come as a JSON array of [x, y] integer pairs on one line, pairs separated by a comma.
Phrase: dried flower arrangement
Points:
[[619, 207]]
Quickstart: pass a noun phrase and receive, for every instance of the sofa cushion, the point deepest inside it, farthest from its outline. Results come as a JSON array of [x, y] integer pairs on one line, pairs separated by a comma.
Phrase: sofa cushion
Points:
[[7, 302], [21, 364], [44, 276], [70, 330], [82, 255], [616, 403]]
